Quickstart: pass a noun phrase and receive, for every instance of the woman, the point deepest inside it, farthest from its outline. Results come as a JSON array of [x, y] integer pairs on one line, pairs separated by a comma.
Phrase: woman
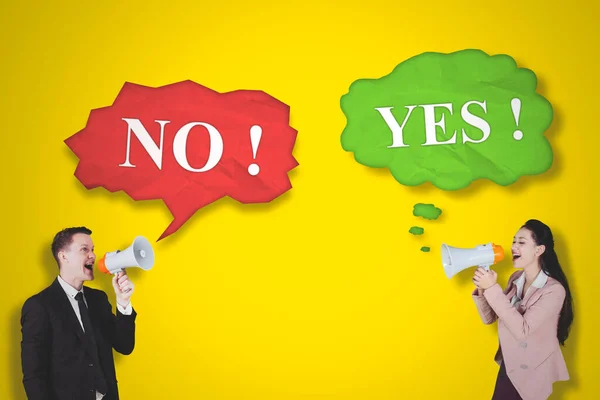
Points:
[[534, 315]]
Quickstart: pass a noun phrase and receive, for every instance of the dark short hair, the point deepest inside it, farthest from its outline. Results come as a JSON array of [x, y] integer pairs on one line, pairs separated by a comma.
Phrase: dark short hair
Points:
[[64, 238]]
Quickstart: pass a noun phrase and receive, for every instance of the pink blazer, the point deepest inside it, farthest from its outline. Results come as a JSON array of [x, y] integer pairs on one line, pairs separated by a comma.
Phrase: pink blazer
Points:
[[527, 334]]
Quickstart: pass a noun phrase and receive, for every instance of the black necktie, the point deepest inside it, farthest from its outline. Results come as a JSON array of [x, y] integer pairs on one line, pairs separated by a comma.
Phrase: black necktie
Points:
[[89, 332], [85, 318]]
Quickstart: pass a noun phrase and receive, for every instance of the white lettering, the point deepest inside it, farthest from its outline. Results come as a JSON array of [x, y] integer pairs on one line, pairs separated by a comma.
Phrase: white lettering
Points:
[[397, 130], [431, 124], [475, 121], [180, 142], [155, 152]]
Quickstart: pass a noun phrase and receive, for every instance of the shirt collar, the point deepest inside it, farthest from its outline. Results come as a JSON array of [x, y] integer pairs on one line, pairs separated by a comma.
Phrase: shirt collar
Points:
[[69, 290], [538, 282]]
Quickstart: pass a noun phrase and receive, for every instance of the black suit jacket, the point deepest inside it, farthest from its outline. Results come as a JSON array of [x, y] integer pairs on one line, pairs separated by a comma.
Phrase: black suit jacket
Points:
[[56, 356]]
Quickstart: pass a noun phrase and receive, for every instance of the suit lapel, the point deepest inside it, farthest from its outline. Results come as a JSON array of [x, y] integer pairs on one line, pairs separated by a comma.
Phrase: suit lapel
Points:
[[92, 310], [532, 291], [67, 312], [511, 288], [511, 292]]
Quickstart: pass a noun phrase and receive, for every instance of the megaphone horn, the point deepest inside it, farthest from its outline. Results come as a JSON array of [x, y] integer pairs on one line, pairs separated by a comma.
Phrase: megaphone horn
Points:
[[455, 259], [140, 254]]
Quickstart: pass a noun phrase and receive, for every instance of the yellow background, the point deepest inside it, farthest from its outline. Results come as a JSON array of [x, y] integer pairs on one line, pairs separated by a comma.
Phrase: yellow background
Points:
[[239, 304]]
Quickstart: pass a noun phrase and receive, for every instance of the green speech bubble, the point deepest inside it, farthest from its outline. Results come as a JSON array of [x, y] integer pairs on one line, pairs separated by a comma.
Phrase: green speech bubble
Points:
[[416, 230], [428, 211], [450, 119]]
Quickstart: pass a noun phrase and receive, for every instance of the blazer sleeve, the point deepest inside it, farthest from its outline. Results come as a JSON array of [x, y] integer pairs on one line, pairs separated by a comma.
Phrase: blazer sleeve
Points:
[[548, 305], [35, 350], [487, 314], [486, 311], [121, 328]]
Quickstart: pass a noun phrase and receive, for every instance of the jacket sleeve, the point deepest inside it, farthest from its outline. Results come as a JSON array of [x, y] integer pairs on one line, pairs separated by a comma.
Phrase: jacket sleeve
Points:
[[35, 350], [548, 305], [487, 314], [121, 328]]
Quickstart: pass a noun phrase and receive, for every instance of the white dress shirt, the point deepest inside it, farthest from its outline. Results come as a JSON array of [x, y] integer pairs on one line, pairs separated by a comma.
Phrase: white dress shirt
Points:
[[538, 282], [71, 293]]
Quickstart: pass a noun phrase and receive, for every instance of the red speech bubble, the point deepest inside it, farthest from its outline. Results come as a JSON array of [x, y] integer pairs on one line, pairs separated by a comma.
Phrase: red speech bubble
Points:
[[187, 145]]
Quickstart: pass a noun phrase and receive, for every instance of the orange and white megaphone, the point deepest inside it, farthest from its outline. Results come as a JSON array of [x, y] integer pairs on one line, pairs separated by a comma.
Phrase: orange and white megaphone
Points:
[[140, 254], [455, 259]]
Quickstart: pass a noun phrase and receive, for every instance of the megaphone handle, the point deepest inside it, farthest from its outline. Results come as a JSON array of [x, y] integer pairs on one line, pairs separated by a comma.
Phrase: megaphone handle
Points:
[[119, 270]]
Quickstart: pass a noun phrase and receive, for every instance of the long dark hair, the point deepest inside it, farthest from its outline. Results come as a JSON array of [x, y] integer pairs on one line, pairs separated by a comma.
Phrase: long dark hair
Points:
[[549, 263]]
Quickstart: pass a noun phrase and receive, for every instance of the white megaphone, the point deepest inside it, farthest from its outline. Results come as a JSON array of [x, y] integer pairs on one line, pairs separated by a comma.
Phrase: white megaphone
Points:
[[455, 259], [140, 254]]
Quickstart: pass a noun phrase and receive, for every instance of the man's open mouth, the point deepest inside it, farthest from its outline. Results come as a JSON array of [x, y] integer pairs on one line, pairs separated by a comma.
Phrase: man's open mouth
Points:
[[89, 266]]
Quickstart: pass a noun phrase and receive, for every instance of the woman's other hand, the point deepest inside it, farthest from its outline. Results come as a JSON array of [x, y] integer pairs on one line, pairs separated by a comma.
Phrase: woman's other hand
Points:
[[484, 279]]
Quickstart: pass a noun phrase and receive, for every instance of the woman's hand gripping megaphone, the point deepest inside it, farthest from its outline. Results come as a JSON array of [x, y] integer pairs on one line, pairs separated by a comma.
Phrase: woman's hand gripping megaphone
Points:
[[484, 279]]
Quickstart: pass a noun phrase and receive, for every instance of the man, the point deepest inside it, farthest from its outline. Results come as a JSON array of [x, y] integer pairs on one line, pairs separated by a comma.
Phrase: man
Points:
[[69, 330]]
